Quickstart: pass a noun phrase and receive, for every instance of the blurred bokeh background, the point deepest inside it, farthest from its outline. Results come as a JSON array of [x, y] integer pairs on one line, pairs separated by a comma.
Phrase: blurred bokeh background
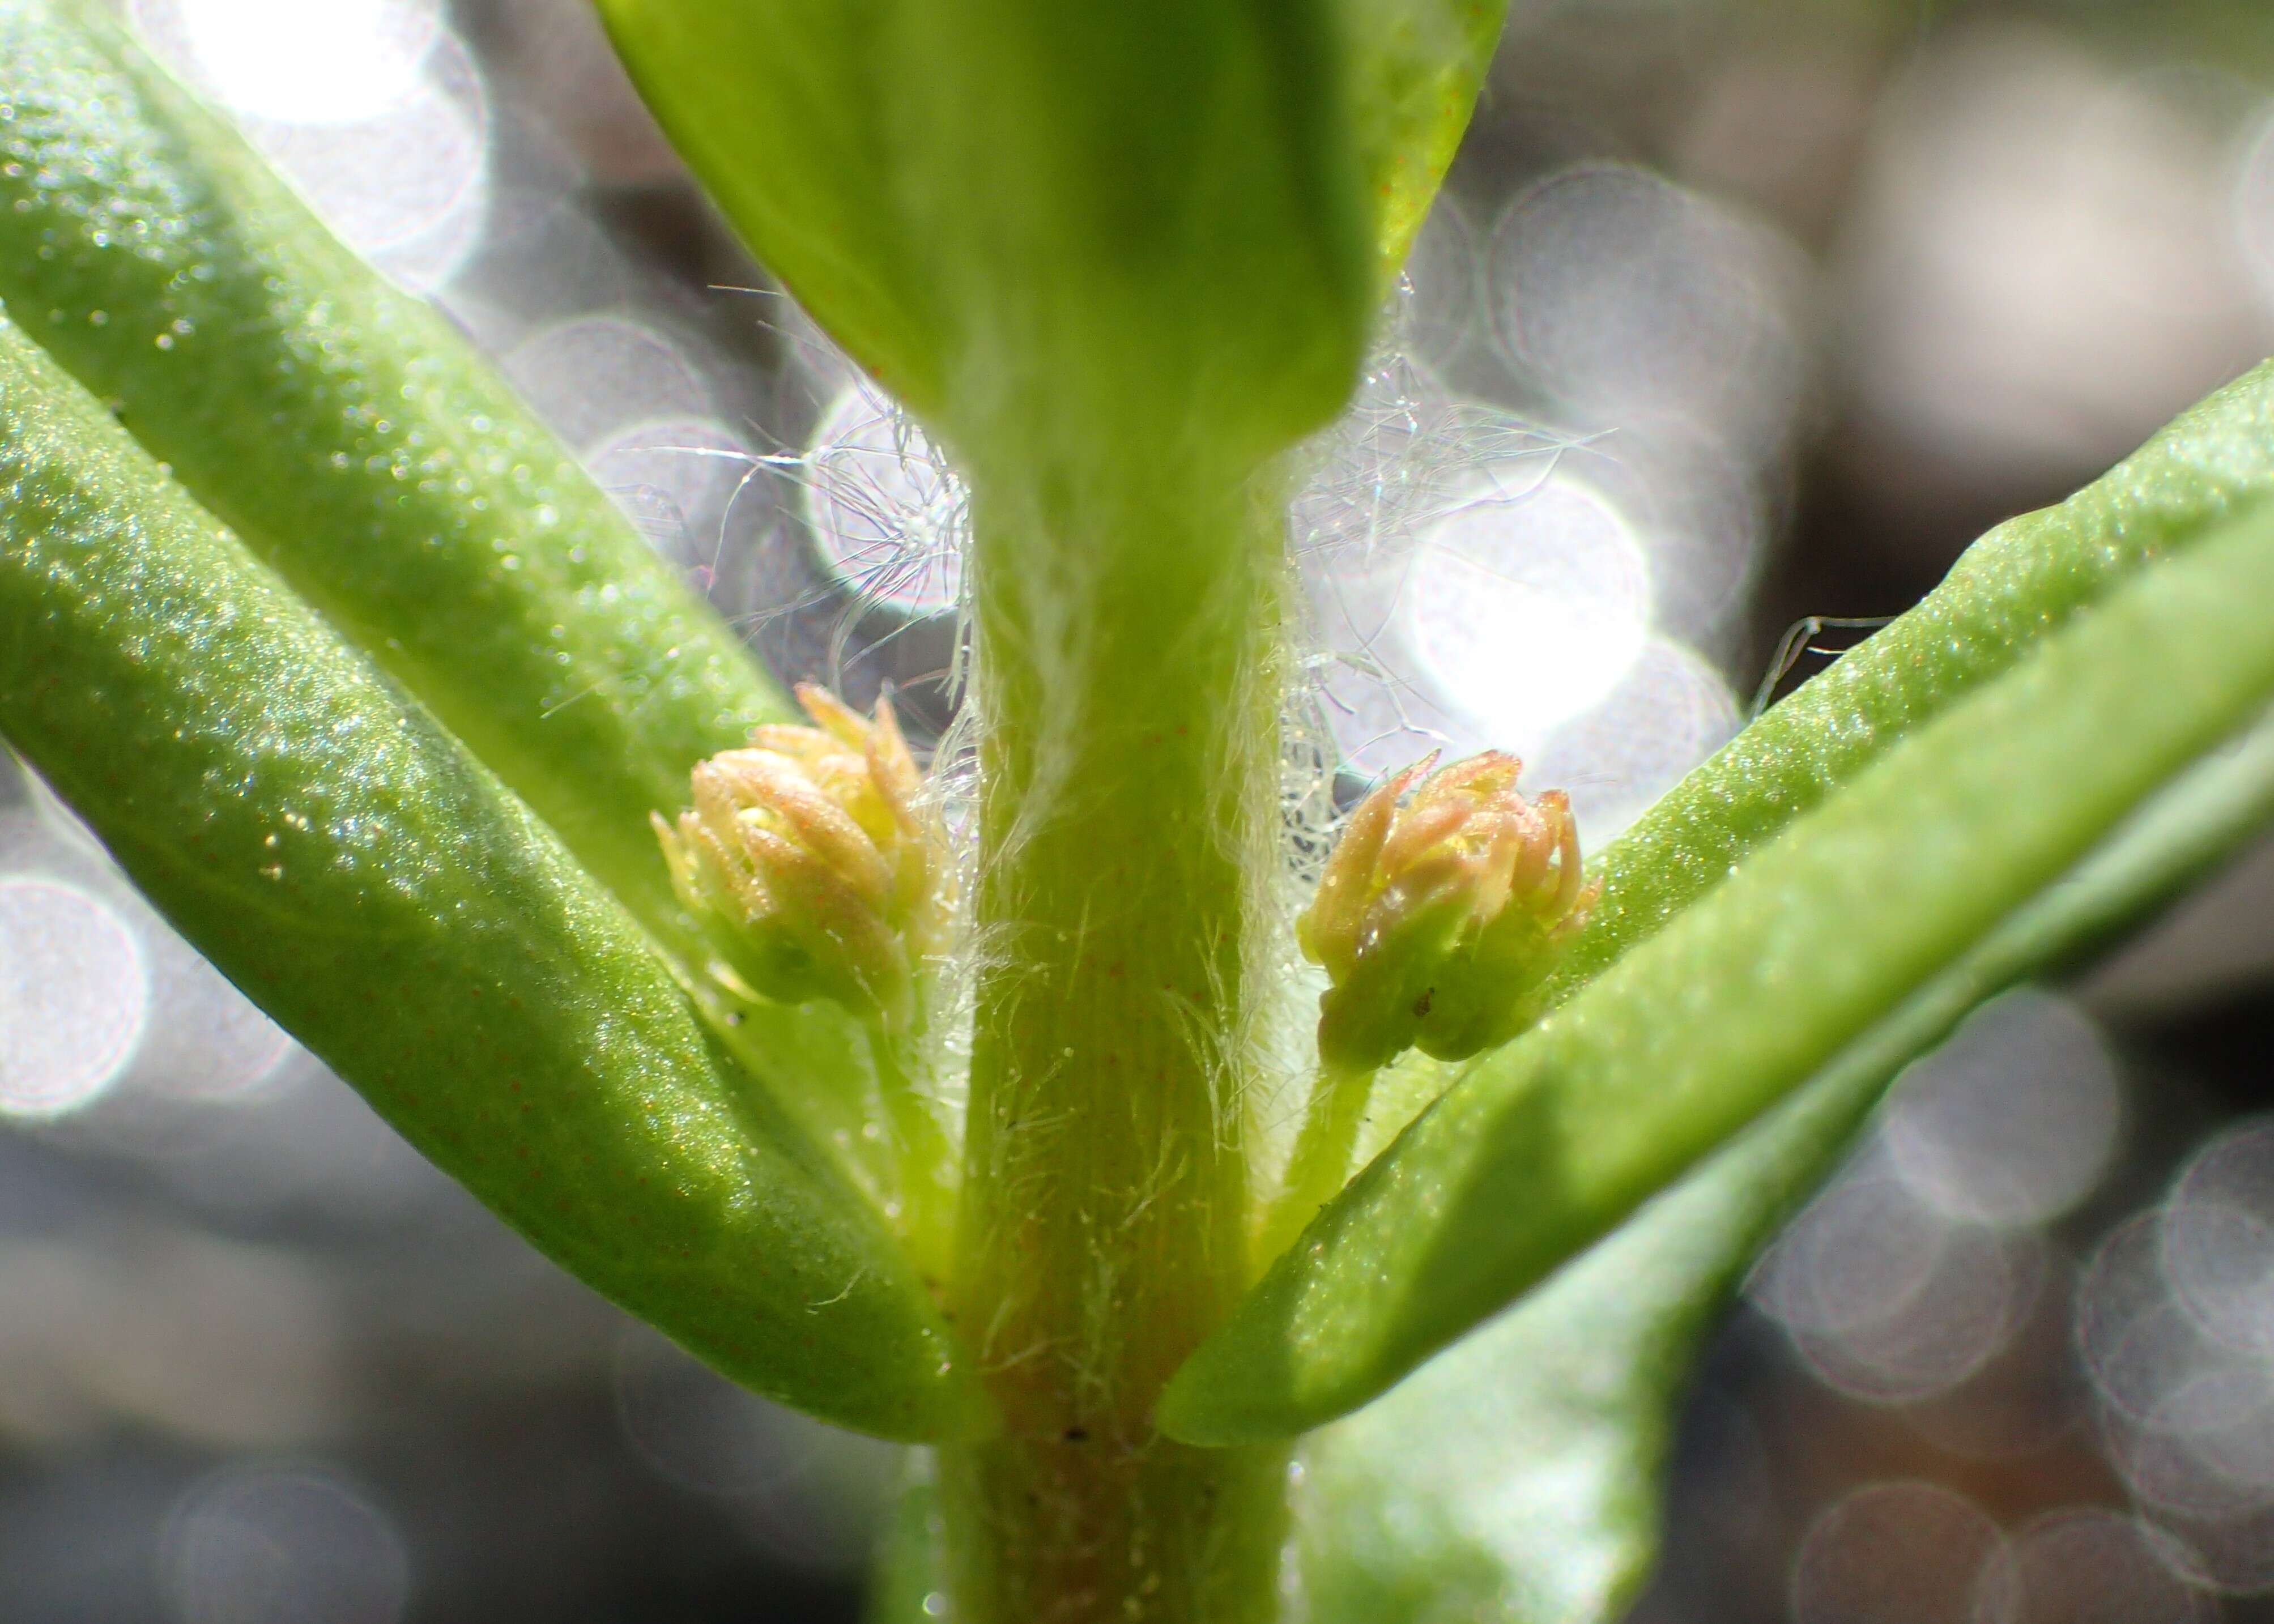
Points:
[[1734, 313]]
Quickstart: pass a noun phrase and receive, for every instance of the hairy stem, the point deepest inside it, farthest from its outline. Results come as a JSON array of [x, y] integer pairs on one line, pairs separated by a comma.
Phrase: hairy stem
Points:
[[1129, 646]]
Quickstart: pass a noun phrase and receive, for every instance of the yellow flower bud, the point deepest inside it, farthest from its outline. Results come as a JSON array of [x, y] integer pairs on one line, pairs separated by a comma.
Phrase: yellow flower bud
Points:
[[810, 861], [1433, 919]]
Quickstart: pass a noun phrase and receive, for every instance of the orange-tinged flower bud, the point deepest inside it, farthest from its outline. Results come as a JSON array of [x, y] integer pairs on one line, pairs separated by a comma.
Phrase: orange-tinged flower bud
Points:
[[1434, 919], [810, 860]]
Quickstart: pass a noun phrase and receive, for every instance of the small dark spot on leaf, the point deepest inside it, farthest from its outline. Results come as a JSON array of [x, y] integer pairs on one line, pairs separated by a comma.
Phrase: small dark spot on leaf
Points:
[[1422, 1005]]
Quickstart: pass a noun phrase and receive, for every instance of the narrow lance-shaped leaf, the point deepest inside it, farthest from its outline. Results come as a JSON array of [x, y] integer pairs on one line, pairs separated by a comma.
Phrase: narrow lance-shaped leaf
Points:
[[358, 443], [1563, 1406], [2026, 576], [337, 854], [1515, 1476], [1545, 1144]]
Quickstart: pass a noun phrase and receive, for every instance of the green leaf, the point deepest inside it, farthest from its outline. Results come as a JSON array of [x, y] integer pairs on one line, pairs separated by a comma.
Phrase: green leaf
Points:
[[1069, 236], [2021, 580], [357, 443], [2024, 577], [1515, 1476], [1417, 65], [778, 107], [1814, 938], [338, 855]]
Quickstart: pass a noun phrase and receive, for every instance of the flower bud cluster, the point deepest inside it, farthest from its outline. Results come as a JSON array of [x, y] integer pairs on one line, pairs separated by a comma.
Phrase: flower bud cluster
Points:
[[1433, 919], [811, 861]]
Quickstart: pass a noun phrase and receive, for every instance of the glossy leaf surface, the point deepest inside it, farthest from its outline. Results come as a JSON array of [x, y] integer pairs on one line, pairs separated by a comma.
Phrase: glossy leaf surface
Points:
[[359, 444], [337, 854], [2023, 578], [776, 106], [1516, 1476], [1812, 940]]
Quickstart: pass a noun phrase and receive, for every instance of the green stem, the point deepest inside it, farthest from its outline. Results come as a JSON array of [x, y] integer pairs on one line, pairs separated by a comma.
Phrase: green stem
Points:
[[922, 1207], [1321, 1163], [1130, 652]]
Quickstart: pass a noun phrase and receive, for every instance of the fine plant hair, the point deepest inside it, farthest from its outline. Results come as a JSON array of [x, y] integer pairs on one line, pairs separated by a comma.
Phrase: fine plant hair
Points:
[[1095, 1204]]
